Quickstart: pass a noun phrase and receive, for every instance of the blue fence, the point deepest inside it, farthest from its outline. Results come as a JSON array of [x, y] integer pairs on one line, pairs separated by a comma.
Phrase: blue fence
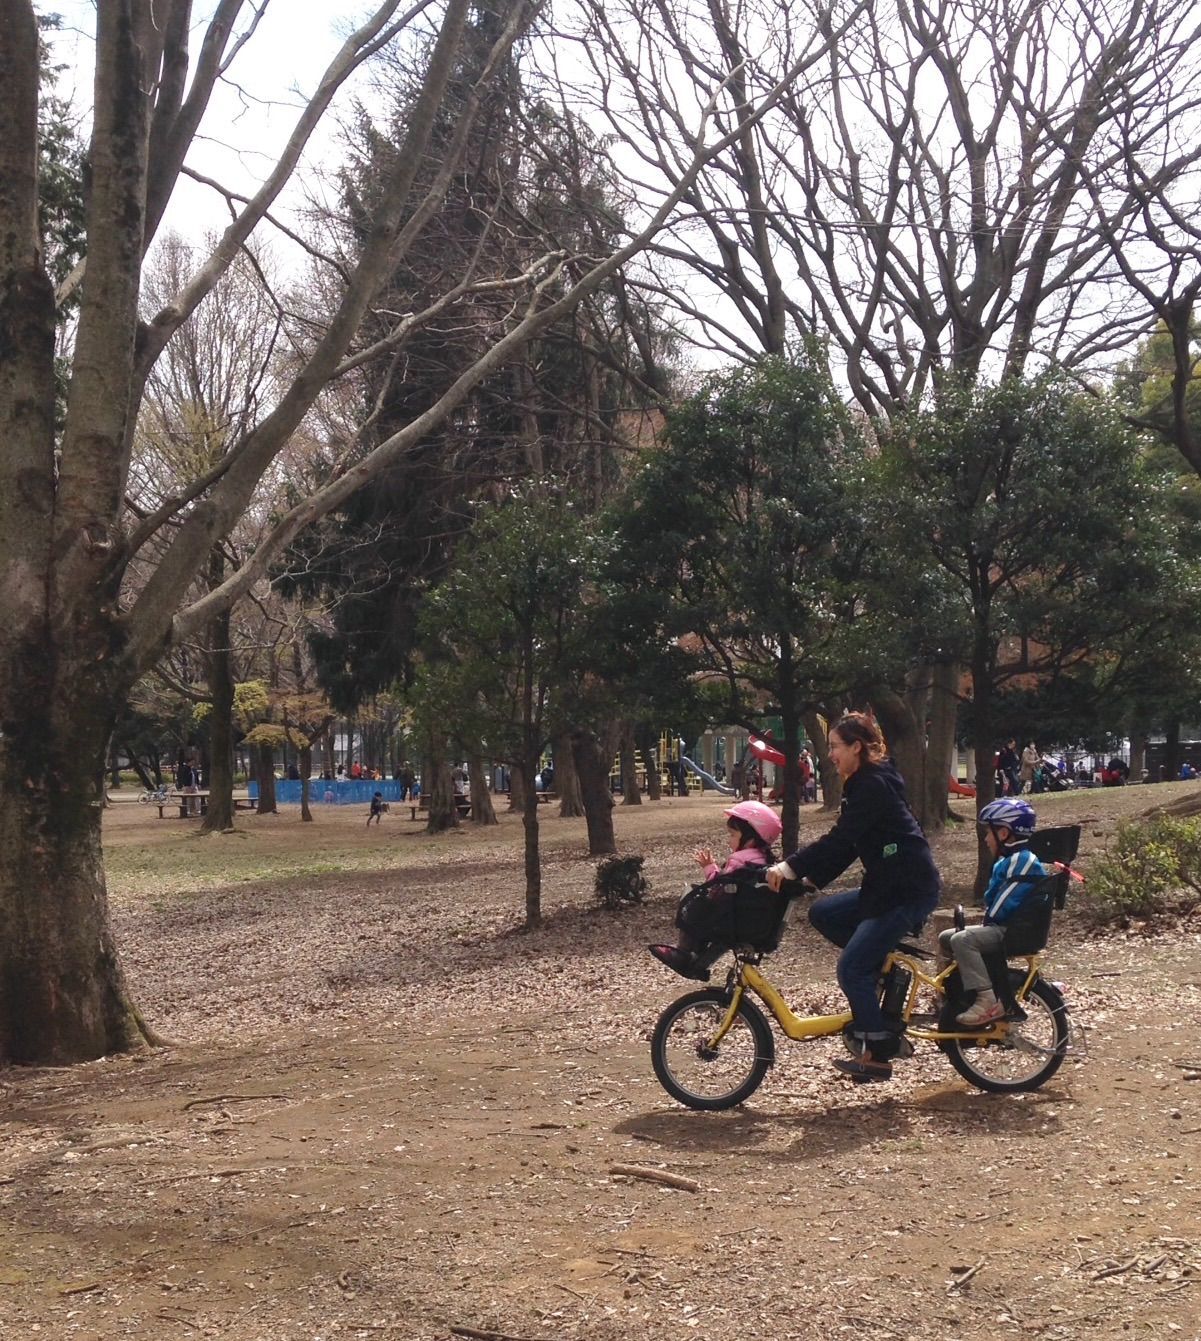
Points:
[[338, 793]]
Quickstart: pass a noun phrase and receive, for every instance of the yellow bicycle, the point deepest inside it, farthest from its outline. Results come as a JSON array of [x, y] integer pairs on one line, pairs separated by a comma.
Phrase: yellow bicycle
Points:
[[712, 1048]]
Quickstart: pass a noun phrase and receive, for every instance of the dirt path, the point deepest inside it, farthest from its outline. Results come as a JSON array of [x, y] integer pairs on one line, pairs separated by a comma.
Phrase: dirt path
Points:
[[415, 1127]]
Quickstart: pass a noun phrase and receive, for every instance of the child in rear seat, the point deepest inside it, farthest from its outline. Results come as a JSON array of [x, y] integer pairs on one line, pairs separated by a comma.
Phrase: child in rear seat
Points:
[[1008, 824]]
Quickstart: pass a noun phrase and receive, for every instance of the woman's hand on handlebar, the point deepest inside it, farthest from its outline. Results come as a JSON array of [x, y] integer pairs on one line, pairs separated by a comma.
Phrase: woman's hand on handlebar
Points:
[[781, 874]]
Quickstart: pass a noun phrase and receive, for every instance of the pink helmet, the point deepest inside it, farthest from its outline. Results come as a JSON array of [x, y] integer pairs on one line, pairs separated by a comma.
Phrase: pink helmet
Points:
[[763, 819]]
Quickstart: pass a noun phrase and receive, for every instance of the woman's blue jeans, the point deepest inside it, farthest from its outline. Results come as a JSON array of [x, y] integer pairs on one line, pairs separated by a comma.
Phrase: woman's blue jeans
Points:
[[866, 943]]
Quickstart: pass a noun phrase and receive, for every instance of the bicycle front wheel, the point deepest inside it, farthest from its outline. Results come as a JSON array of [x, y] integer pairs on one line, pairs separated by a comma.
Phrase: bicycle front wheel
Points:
[[704, 1077], [1026, 1057]]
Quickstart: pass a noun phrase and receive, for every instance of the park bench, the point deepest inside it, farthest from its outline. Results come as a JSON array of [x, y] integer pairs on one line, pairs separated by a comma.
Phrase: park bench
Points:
[[245, 803]]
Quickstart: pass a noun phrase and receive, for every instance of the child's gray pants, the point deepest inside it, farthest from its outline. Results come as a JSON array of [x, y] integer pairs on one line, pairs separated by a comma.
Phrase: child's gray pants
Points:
[[968, 948]]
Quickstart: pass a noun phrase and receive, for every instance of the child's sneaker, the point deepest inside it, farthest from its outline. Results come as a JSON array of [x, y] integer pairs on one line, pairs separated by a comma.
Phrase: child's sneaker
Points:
[[679, 961], [984, 1010]]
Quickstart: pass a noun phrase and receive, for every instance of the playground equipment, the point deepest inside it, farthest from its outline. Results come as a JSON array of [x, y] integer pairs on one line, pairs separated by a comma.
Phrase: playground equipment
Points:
[[765, 751], [707, 779]]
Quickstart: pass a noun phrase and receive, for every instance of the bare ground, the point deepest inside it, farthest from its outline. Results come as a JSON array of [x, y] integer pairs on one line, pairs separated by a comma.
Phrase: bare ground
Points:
[[386, 1115]]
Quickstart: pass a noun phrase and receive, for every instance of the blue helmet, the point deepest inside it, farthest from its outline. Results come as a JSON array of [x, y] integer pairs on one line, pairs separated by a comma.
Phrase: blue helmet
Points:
[[1017, 816]]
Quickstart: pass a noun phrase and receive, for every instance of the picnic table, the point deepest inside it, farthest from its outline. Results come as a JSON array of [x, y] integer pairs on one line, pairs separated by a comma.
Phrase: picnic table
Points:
[[182, 799], [462, 805]]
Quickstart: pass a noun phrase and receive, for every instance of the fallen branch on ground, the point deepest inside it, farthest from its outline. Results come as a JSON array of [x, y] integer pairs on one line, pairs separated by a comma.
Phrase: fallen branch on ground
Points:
[[960, 1281], [656, 1176], [477, 1335], [1119, 1270], [236, 1098]]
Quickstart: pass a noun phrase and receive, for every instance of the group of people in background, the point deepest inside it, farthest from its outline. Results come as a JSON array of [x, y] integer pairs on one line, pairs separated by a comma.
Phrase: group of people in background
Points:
[[357, 772], [1030, 770], [1034, 772]]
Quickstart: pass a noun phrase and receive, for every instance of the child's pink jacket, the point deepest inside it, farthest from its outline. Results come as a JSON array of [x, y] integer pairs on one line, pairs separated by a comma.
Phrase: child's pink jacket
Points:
[[745, 856]]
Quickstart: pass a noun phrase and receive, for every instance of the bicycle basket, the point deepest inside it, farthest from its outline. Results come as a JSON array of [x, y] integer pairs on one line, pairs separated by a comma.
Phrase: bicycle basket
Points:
[[729, 913], [759, 917]]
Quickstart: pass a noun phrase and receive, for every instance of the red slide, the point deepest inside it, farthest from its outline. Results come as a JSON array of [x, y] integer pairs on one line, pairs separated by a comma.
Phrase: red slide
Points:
[[765, 751]]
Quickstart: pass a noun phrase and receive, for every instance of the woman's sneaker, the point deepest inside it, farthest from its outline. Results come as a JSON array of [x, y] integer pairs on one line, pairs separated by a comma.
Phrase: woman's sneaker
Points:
[[984, 1010]]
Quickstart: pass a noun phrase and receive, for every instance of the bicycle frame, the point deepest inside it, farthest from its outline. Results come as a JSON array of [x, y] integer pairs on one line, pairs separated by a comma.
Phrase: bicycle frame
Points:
[[746, 977]]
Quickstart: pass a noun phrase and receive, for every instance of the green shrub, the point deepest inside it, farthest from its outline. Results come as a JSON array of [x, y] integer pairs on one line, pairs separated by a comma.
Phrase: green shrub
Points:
[[1153, 867], [619, 881]]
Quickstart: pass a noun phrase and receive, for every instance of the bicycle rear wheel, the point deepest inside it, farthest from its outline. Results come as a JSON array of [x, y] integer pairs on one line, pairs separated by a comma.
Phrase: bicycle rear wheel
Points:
[[1026, 1057], [708, 1078]]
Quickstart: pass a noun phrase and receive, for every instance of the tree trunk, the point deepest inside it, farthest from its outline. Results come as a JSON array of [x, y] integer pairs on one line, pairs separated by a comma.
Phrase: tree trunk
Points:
[[790, 795], [631, 793], [220, 815], [306, 773], [482, 811], [646, 743], [790, 721], [826, 772], [264, 764], [150, 783], [592, 766], [62, 993], [1172, 756], [517, 789], [533, 865], [439, 786], [984, 754], [1138, 753], [905, 745], [567, 783], [940, 743], [114, 766]]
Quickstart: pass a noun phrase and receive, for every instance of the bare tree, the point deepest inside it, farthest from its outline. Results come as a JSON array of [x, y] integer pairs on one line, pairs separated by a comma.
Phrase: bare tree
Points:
[[75, 630], [955, 188], [939, 193], [205, 392]]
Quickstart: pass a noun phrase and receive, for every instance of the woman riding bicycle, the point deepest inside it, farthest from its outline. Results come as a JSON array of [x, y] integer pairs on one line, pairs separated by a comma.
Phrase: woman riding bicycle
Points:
[[899, 890]]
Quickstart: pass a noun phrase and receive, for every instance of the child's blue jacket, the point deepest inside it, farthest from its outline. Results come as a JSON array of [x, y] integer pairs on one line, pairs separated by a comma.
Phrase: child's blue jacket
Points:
[[1015, 874]]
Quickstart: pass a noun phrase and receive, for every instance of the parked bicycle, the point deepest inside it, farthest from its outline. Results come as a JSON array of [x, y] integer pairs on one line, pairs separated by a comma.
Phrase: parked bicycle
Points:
[[711, 1049], [154, 796]]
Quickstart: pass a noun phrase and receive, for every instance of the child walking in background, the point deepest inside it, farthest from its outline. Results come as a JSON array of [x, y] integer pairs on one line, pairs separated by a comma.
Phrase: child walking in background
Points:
[[377, 809], [751, 829], [1008, 825]]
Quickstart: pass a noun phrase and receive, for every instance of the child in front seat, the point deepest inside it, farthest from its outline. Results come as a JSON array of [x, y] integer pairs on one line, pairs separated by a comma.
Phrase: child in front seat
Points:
[[751, 828], [1008, 825]]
